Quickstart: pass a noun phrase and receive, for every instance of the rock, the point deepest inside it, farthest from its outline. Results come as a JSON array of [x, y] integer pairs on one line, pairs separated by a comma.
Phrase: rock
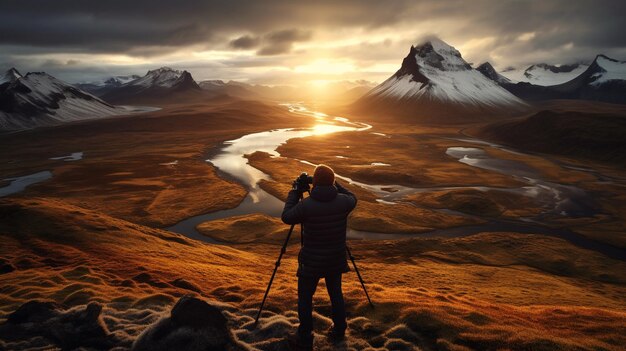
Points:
[[34, 312], [80, 327], [195, 313], [193, 324]]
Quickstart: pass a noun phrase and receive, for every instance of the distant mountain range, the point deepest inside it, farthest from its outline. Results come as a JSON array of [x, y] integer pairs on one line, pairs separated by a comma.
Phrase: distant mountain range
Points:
[[435, 83], [38, 99], [156, 84], [545, 74], [102, 87], [604, 80]]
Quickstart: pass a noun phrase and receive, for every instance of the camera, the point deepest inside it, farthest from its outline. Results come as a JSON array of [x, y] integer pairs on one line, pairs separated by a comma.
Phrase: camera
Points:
[[303, 181]]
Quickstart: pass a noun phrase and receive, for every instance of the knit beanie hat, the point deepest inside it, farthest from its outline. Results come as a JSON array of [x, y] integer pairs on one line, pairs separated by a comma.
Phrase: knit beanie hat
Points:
[[323, 175]]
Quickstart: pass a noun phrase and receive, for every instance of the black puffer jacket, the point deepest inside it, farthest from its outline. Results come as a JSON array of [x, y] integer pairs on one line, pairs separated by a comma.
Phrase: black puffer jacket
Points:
[[323, 216]]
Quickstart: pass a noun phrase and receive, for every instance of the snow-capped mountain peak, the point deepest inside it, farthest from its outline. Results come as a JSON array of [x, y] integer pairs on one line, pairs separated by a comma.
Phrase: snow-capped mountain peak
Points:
[[38, 99], [10, 76], [438, 54], [164, 77], [156, 84], [436, 71], [607, 70], [488, 71]]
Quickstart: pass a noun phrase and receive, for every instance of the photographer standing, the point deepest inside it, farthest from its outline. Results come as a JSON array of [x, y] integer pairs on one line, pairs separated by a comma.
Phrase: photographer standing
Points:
[[323, 254]]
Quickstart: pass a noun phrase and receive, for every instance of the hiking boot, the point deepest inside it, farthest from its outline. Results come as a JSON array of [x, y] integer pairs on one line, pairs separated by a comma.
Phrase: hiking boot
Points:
[[335, 336], [299, 343]]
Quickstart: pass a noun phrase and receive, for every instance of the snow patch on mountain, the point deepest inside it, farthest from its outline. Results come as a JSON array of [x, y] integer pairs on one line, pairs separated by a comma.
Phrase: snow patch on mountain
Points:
[[118, 80]]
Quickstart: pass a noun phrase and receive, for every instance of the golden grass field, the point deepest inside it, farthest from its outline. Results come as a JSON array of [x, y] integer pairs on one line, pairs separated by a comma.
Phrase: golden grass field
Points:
[[92, 234]]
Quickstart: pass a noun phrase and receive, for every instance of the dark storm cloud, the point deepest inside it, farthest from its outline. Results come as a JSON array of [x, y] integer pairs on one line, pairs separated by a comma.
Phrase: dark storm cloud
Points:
[[564, 30], [122, 26]]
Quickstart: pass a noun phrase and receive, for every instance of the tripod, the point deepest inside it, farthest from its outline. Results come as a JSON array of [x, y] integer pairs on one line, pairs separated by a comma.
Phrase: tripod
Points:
[[277, 264]]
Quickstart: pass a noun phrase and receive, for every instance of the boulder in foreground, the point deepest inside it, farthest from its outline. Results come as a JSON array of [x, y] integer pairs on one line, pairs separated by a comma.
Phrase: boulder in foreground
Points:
[[193, 324]]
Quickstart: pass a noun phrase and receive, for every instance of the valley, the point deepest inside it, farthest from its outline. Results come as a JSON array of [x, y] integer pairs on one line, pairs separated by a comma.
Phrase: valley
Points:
[[143, 211], [423, 231]]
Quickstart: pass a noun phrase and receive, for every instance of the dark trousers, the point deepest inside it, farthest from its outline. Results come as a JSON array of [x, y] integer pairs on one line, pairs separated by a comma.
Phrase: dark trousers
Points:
[[306, 289]]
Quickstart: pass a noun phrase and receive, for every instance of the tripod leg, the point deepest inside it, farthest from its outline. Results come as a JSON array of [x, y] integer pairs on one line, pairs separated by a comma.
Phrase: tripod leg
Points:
[[267, 291], [280, 256], [359, 275]]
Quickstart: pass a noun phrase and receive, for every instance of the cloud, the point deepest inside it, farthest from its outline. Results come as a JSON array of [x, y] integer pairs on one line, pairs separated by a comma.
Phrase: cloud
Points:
[[281, 42], [118, 26], [368, 32], [245, 42]]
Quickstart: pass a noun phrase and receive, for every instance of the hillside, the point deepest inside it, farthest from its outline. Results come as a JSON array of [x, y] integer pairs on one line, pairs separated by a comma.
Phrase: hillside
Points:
[[126, 277], [592, 136]]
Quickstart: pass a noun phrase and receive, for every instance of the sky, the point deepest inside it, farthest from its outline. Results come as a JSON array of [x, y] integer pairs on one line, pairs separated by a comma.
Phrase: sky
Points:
[[294, 42]]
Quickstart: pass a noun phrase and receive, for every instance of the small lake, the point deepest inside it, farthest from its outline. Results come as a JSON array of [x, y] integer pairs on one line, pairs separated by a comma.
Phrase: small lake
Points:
[[20, 183]]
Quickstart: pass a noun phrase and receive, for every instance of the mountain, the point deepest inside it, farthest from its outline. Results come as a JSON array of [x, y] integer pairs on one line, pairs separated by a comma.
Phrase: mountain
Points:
[[231, 88], [38, 99], [156, 85], [101, 88], [604, 80], [120, 80], [212, 84], [10, 76], [488, 71], [545, 74], [435, 83]]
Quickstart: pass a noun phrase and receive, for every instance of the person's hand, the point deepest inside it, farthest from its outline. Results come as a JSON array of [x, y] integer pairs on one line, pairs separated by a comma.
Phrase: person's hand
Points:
[[300, 185]]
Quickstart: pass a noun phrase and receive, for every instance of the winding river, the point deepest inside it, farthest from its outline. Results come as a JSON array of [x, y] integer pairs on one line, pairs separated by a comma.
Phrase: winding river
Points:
[[559, 199], [231, 161]]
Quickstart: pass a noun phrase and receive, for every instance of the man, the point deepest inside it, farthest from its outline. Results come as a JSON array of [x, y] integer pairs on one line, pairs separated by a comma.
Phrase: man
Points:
[[323, 254]]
